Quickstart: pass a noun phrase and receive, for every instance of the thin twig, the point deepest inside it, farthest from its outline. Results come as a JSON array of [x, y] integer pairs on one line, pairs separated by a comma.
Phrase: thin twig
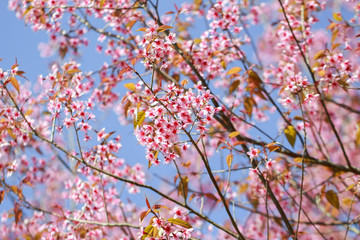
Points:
[[302, 169], [316, 88]]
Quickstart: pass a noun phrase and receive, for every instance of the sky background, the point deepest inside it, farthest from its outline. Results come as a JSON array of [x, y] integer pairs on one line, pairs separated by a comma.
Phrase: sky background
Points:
[[19, 42]]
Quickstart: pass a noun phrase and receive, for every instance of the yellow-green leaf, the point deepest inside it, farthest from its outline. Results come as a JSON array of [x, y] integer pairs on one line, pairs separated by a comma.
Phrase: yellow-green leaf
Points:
[[148, 232], [183, 185], [248, 105], [243, 188], [335, 46], [10, 132], [27, 10], [290, 134], [321, 73], [229, 160], [179, 222], [28, 112], [233, 134], [139, 118], [300, 159], [234, 70], [130, 24], [223, 64], [347, 201], [163, 28], [102, 2], [197, 40], [319, 54], [350, 187], [184, 82], [357, 136], [197, 4], [72, 71], [130, 86], [142, 29], [337, 17], [234, 85], [332, 198]]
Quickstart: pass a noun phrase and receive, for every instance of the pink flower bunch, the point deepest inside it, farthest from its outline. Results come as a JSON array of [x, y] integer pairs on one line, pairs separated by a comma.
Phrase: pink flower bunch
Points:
[[176, 111], [156, 48]]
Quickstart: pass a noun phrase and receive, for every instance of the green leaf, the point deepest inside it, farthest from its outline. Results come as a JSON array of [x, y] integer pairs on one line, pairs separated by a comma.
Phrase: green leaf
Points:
[[148, 232], [223, 64], [233, 134], [234, 85], [234, 70], [333, 199], [319, 54], [163, 28], [179, 222], [139, 118], [248, 105], [130, 86], [102, 2], [141, 29], [183, 185], [290, 134], [72, 71], [357, 135], [229, 160], [197, 4], [337, 17]]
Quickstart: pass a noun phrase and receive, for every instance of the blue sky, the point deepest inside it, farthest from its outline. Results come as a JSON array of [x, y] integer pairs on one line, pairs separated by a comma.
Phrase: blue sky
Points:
[[19, 42]]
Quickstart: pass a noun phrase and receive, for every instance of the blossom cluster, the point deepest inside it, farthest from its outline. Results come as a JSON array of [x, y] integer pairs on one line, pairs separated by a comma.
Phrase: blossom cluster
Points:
[[156, 48], [175, 227], [175, 112]]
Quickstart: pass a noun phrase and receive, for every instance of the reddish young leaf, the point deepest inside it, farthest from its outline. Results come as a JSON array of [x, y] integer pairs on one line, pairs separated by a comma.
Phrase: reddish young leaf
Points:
[[211, 196], [191, 197], [2, 195], [17, 213], [144, 214], [147, 203], [15, 83]]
